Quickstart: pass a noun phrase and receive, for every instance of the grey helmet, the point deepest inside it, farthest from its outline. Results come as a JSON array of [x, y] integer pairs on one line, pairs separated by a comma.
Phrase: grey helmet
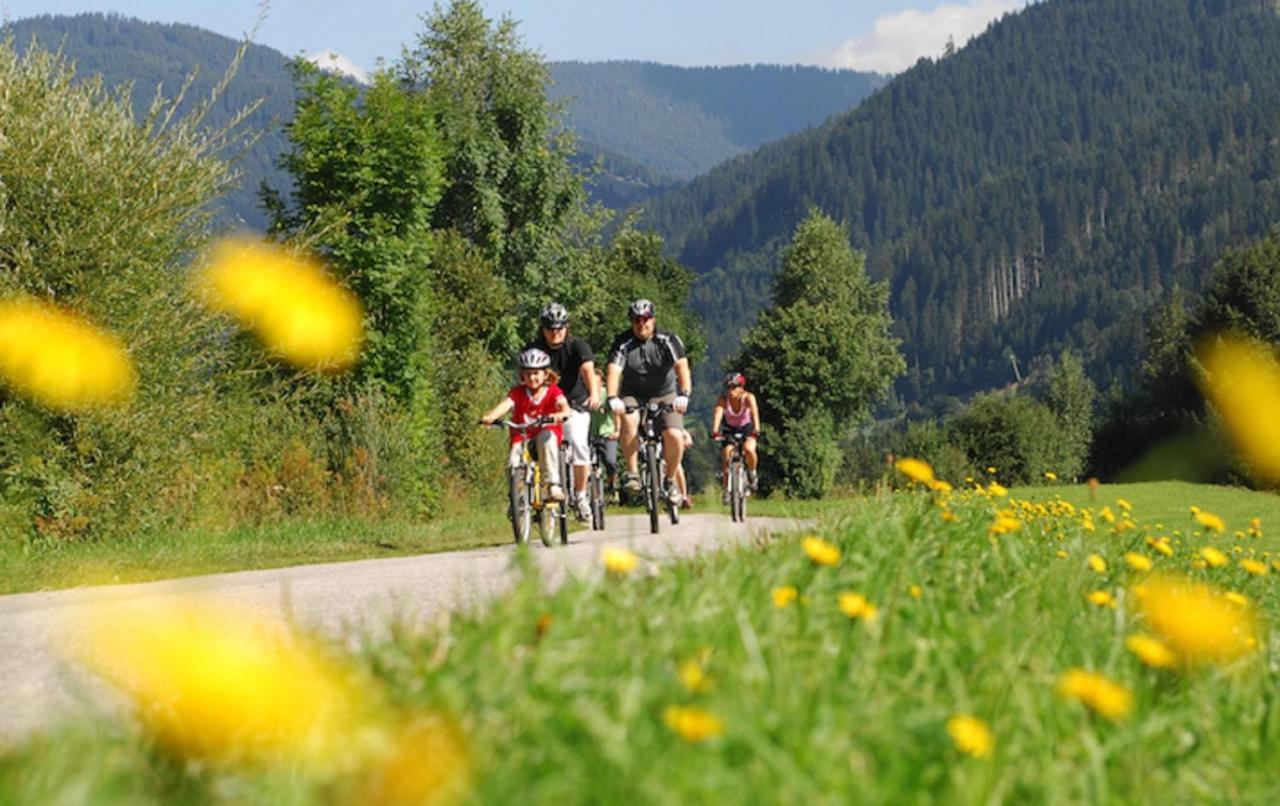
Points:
[[642, 309], [533, 358], [554, 316]]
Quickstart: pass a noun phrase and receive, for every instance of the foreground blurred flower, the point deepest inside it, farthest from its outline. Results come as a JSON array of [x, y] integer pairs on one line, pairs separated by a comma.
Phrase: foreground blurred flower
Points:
[[820, 551], [693, 676], [1255, 567], [426, 761], [1209, 521], [1106, 698], [1101, 599], [1138, 562], [915, 469], [61, 361], [618, 561], [692, 724], [1213, 557], [1242, 379], [298, 312], [784, 596], [855, 605], [1096, 563], [1151, 651], [216, 685], [971, 735], [1050, 475], [1197, 622]]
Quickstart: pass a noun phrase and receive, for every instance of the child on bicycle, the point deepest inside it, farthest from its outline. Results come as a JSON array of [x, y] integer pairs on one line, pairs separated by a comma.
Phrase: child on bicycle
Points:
[[536, 398], [739, 413], [604, 424]]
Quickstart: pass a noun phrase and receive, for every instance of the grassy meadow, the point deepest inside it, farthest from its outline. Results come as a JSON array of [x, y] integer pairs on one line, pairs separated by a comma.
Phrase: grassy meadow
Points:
[[918, 647]]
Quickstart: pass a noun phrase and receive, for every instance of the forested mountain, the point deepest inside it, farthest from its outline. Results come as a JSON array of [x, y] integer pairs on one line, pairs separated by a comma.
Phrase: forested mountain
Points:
[[145, 55], [1037, 190], [681, 121]]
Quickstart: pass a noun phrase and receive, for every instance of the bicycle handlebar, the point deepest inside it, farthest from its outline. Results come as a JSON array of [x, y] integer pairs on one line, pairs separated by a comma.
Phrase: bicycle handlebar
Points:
[[541, 422]]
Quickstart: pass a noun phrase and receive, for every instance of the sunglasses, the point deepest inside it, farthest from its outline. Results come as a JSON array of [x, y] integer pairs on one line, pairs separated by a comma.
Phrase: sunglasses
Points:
[[641, 318]]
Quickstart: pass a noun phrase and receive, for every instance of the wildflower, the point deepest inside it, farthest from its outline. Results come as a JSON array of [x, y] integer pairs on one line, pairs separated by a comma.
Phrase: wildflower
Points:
[[212, 684], [916, 591], [60, 361], [820, 551], [1213, 557], [1195, 621], [618, 561], [855, 605], [1209, 521], [1161, 544], [971, 735], [298, 312], [427, 762], [1255, 528], [915, 469], [948, 516], [1107, 515], [1151, 651], [1101, 599], [1062, 555], [1237, 599], [783, 596], [1242, 379], [1138, 562], [1096, 563], [1050, 475], [991, 470], [1103, 696], [693, 677], [1124, 505], [996, 489], [1004, 524], [1255, 567], [692, 724], [940, 486]]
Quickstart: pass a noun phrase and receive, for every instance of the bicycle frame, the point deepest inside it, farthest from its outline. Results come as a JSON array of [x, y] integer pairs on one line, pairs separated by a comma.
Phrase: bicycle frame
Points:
[[652, 464]]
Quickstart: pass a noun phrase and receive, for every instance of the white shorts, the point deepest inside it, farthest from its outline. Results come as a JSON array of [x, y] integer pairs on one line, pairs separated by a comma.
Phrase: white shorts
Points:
[[577, 437]]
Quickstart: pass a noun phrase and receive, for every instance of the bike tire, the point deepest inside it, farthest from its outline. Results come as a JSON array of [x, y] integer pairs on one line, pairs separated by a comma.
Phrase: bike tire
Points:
[[562, 514], [546, 529], [519, 512], [740, 499], [653, 488], [596, 486]]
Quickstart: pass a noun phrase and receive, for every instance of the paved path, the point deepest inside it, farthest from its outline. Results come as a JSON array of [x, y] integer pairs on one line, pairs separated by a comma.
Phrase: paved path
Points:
[[37, 684]]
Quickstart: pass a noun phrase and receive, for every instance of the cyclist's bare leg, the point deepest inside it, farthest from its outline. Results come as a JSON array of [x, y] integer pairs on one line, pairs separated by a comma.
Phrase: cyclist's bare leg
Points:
[[673, 449], [628, 439], [749, 450]]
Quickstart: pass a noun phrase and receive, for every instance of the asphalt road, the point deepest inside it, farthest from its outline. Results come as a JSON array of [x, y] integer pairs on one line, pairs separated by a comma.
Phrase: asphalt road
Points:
[[40, 684]]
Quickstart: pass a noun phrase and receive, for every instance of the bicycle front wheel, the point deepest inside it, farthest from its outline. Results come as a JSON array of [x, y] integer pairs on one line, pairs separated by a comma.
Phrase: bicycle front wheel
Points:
[[654, 488], [519, 512], [596, 487], [739, 499], [544, 516]]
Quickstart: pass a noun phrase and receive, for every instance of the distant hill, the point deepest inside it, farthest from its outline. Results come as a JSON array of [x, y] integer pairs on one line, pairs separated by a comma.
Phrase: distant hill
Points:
[[681, 121], [126, 51], [1039, 189]]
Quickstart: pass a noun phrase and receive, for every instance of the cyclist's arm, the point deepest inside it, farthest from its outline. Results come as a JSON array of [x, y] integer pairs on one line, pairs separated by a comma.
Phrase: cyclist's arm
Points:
[[498, 411], [563, 409], [717, 415], [588, 373], [612, 379], [755, 412], [684, 378]]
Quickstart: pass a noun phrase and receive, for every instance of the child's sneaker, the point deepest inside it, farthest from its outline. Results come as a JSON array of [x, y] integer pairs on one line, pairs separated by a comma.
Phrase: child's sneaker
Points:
[[555, 493]]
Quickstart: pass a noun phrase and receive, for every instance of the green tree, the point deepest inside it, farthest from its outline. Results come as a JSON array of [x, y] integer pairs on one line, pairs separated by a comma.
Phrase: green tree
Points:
[[1070, 396], [1017, 435], [822, 355]]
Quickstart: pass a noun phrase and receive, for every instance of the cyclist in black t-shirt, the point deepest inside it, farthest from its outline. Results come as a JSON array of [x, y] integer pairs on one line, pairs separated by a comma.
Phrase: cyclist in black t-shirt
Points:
[[646, 364], [574, 362]]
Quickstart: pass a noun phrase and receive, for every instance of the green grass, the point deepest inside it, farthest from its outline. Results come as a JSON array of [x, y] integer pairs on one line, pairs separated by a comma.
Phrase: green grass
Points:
[[816, 707]]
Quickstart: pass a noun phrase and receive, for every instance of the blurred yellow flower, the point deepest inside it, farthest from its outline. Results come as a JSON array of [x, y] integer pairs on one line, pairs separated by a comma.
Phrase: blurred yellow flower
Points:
[[1242, 379], [1004, 524], [1104, 697], [915, 469], [425, 762], [1138, 562], [991, 469], [1151, 651], [214, 684], [693, 677], [1096, 563], [618, 561], [1237, 599], [1101, 599], [300, 313], [948, 516], [692, 724], [1050, 475], [1255, 567], [1195, 621], [940, 486], [1124, 504], [999, 491], [784, 596], [1161, 544], [1061, 555], [820, 551], [1209, 521], [1213, 557], [916, 591], [855, 605], [971, 735], [61, 361]]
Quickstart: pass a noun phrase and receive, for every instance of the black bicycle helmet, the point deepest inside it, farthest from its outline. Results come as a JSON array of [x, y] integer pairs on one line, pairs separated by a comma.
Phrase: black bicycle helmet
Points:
[[554, 316], [642, 309], [734, 379], [533, 358]]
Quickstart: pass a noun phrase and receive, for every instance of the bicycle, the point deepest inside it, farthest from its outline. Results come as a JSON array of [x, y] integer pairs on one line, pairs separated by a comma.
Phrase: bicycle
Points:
[[524, 490], [652, 463], [739, 486], [597, 484]]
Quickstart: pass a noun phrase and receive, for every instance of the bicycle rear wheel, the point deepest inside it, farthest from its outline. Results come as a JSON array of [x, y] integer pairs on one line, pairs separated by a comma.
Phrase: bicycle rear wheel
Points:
[[542, 515], [653, 488], [561, 514], [519, 512]]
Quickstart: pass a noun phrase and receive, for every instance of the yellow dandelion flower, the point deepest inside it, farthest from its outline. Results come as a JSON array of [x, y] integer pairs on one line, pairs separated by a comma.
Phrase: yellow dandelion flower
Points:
[[1161, 544], [784, 595], [971, 735], [1210, 521], [1101, 599], [1096, 563], [1213, 557], [61, 361], [1194, 620], [855, 605], [215, 684], [1138, 562], [1151, 651], [916, 591], [692, 724], [618, 561], [991, 470], [1242, 379], [1004, 524], [1124, 504], [1254, 567], [998, 490], [1050, 475], [693, 677], [1107, 515], [948, 516], [1104, 697], [1062, 555], [1237, 599], [427, 761], [940, 486], [915, 469], [820, 551], [299, 313]]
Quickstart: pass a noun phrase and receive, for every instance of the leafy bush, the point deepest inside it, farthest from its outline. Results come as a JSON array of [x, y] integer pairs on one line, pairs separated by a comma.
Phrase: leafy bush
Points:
[[1017, 435]]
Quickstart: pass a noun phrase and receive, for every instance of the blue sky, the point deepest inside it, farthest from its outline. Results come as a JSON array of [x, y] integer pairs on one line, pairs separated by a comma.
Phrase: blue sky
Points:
[[883, 35]]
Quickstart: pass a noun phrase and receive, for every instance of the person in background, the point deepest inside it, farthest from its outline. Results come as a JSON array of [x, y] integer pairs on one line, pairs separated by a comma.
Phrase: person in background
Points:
[[739, 413], [536, 398]]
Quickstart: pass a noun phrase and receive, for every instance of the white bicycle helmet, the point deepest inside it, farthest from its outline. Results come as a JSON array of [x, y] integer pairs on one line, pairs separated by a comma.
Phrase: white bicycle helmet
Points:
[[533, 358], [554, 316], [642, 309]]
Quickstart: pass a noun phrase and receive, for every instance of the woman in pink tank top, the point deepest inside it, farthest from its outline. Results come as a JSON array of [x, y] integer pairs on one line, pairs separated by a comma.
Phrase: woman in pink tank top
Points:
[[736, 412]]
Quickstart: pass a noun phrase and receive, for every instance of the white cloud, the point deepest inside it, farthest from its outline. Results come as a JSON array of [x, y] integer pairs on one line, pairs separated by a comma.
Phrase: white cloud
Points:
[[898, 40], [335, 62]]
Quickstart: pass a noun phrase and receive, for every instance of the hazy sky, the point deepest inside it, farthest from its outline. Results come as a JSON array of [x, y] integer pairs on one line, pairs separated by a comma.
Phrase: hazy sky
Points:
[[882, 35]]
